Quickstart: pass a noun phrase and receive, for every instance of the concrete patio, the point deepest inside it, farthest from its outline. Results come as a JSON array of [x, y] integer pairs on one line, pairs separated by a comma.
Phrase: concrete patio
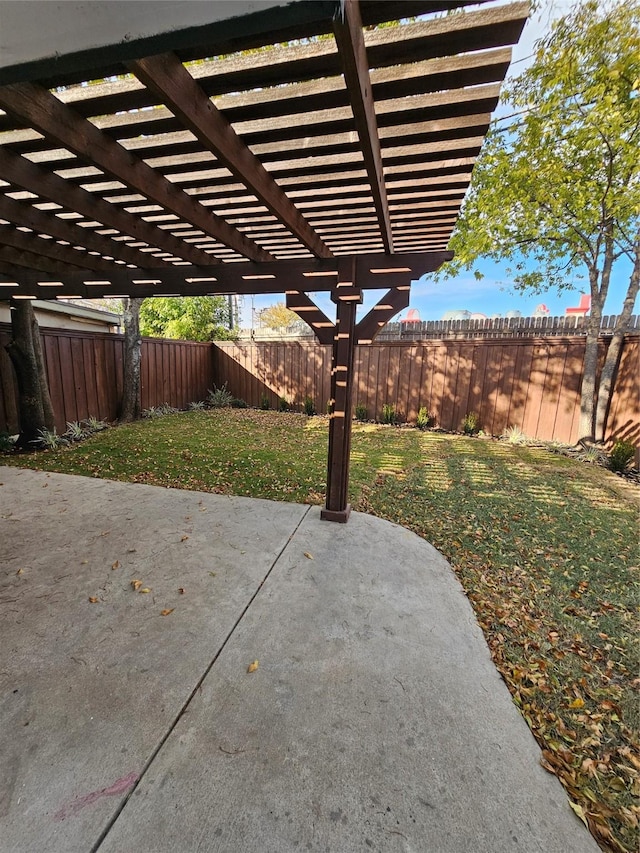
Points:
[[375, 719]]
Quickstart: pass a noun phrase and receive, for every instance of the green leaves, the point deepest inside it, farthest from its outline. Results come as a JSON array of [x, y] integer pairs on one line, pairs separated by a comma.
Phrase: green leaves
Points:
[[548, 184], [192, 318]]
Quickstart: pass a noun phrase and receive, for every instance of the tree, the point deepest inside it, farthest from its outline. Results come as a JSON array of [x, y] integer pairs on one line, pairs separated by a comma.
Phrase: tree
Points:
[[557, 191], [130, 410], [192, 318], [25, 352], [277, 316]]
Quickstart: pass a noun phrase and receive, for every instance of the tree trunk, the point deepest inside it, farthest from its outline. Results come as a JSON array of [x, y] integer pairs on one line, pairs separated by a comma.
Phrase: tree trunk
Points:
[[131, 408], [22, 355], [614, 352], [590, 369], [47, 406]]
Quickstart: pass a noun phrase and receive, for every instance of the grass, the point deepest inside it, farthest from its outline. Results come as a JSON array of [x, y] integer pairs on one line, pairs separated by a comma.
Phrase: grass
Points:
[[544, 546]]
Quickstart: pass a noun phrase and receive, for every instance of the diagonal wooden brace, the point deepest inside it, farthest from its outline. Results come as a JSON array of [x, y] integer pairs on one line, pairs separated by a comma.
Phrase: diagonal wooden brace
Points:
[[394, 300], [307, 310]]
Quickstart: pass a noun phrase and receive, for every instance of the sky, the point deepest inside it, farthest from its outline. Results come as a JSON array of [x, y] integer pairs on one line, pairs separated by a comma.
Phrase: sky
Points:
[[491, 296]]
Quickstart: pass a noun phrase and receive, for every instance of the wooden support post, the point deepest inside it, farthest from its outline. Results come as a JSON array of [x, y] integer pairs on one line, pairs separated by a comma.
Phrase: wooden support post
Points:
[[346, 296]]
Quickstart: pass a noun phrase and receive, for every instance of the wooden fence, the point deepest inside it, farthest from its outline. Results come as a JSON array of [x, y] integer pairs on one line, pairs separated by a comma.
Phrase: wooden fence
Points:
[[533, 383], [84, 370]]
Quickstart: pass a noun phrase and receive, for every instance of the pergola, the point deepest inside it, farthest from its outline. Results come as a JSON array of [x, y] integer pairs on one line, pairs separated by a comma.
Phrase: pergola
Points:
[[292, 147]]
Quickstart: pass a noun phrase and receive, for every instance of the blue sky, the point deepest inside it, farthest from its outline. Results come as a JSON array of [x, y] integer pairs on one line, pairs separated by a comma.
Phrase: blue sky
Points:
[[492, 295]]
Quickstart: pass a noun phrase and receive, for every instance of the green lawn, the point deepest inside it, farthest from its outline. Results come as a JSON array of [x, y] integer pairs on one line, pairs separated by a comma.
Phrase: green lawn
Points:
[[546, 548]]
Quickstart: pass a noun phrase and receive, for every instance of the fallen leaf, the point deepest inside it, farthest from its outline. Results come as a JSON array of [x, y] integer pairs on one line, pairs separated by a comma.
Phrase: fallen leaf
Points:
[[253, 666], [116, 565], [577, 703], [167, 611], [181, 590], [20, 572], [145, 589], [136, 584], [184, 538], [213, 574], [308, 555], [93, 599], [579, 811]]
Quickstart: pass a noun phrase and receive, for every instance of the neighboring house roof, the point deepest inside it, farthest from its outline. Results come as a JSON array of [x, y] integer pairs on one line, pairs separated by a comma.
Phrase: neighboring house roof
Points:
[[84, 315]]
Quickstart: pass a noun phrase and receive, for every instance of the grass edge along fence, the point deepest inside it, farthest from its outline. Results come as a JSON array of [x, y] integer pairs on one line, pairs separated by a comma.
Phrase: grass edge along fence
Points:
[[531, 383], [84, 370]]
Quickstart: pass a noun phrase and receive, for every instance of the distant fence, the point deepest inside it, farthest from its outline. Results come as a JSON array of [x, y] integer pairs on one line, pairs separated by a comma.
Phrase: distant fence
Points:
[[84, 370], [498, 327], [532, 383]]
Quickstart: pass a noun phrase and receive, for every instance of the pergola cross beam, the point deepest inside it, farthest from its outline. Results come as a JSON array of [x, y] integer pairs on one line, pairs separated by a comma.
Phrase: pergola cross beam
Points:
[[36, 106], [46, 184], [169, 79], [350, 39]]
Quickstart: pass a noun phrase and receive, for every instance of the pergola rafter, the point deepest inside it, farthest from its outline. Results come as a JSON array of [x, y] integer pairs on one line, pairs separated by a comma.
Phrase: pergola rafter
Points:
[[299, 149]]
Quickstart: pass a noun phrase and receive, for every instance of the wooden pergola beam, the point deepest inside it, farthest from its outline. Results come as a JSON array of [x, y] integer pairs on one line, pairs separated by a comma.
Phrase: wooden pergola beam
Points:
[[22, 213], [323, 328], [169, 79], [20, 264], [347, 295], [396, 299], [37, 246], [353, 53], [375, 271], [40, 109], [46, 184]]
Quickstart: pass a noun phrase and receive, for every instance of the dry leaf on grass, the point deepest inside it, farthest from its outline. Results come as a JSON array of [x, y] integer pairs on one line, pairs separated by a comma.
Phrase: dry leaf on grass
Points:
[[253, 666]]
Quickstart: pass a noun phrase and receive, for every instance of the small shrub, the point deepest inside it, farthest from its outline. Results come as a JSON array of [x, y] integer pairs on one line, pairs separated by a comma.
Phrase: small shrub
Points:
[[514, 435], [388, 414], [166, 409], [361, 412], [237, 403], [265, 403], [621, 455], [196, 405], [152, 412], [6, 442], [308, 407], [49, 439], [471, 423], [592, 455], [283, 404], [424, 419], [94, 425], [75, 431], [219, 398]]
